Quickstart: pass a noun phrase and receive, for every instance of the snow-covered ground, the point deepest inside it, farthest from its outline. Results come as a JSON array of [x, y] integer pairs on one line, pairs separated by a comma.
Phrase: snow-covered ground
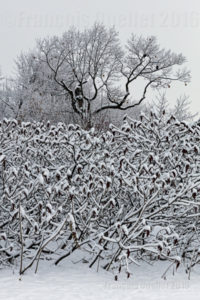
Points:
[[73, 281]]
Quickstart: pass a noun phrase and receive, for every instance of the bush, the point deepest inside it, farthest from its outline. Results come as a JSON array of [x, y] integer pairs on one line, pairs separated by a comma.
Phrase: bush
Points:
[[123, 196]]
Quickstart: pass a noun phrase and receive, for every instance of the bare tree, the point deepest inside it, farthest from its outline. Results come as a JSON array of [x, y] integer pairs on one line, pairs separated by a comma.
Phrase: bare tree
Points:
[[162, 108], [95, 73], [181, 109]]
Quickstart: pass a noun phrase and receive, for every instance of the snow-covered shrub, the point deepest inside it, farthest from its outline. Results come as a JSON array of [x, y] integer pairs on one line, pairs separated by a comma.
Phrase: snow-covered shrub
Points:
[[127, 195]]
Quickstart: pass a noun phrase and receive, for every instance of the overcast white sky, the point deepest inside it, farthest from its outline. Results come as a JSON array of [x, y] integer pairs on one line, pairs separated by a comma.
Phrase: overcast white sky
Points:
[[176, 23]]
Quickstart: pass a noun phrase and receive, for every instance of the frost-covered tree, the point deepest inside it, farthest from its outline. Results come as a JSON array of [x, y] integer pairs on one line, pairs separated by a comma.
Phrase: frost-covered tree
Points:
[[11, 98], [94, 73], [181, 109], [2, 102]]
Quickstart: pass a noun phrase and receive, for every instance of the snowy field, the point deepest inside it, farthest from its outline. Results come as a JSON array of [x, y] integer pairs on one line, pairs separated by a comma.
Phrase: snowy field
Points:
[[71, 281]]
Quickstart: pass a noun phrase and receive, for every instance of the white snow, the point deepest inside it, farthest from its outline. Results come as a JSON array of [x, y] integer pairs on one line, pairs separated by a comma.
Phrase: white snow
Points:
[[72, 280]]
